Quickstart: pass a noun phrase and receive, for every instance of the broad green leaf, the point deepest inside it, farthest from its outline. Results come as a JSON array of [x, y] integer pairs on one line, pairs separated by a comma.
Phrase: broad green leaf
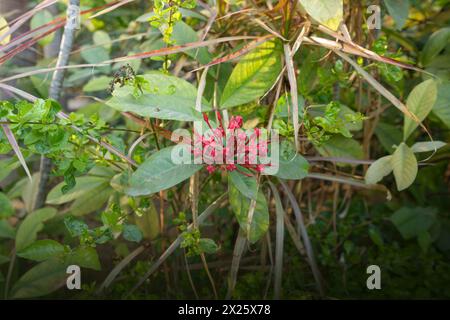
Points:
[[167, 97], [97, 84], [404, 164], [240, 206], [40, 18], [94, 54], [341, 147], [246, 185], [435, 44], [6, 230], [84, 185], [42, 279], [101, 38], [29, 191], [442, 106], [411, 222], [327, 12], [42, 250], [159, 172], [3, 30], [253, 75], [132, 233], [295, 168], [427, 146], [85, 257], [378, 170], [399, 10], [182, 34], [420, 102], [31, 225], [92, 201], [6, 209]]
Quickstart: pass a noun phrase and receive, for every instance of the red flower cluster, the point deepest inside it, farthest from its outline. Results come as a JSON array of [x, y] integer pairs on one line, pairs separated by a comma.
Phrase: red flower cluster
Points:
[[218, 149]]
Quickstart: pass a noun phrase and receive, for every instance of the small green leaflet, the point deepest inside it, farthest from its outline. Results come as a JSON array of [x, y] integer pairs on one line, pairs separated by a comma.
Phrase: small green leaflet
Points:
[[253, 76], [132, 233]]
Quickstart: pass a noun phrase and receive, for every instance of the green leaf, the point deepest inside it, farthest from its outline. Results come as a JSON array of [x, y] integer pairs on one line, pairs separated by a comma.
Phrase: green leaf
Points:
[[411, 222], [240, 206], [378, 170], [31, 225], [94, 54], [159, 172], [97, 84], [92, 201], [42, 279], [6, 209], [167, 97], [42, 250], [399, 10], [295, 168], [246, 185], [101, 38], [6, 230], [441, 108], [40, 18], [85, 257], [182, 34], [420, 102], [427, 146], [404, 164], [132, 233], [208, 246], [329, 13], [437, 42], [341, 147], [84, 185], [75, 226], [253, 75]]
